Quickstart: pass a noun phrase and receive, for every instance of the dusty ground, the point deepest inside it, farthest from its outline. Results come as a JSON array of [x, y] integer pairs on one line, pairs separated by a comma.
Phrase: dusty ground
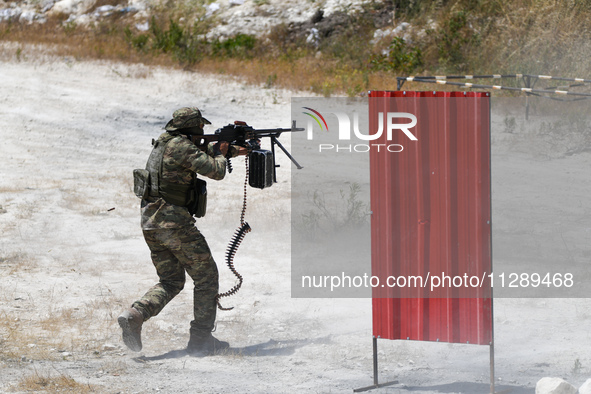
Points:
[[72, 255]]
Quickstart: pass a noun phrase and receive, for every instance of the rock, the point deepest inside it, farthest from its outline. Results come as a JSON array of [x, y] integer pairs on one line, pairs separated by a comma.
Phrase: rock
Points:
[[9, 14], [139, 5], [401, 28], [105, 9], [28, 17], [109, 346], [211, 8], [82, 20], [585, 387], [554, 386], [46, 5], [68, 7], [313, 38], [143, 26], [317, 17]]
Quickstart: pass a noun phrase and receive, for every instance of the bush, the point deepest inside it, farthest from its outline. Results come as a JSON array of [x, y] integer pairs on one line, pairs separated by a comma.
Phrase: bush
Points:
[[398, 57], [175, 40], [455, 40], [240, 46]]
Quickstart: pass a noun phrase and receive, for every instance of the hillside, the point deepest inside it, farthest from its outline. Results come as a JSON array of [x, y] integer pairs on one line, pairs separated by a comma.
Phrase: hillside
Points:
[[329, 47]]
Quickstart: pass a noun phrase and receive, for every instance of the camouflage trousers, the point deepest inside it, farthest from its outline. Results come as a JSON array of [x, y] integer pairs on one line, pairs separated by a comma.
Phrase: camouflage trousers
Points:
[[175, 251]]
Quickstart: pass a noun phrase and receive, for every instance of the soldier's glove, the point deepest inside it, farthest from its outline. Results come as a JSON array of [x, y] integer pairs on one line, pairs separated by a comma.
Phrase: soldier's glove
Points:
[[221, 148], [216, 149]]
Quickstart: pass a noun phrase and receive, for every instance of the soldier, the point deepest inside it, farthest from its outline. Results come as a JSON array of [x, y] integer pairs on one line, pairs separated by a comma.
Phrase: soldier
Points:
[[169, 229]]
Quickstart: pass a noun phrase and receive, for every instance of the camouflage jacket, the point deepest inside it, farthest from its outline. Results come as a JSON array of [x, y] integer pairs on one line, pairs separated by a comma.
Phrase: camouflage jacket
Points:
[[181, 160]]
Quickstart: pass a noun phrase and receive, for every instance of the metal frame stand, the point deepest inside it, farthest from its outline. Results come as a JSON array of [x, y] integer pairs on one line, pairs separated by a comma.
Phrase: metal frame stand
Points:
[[376, 384], [399, 83]]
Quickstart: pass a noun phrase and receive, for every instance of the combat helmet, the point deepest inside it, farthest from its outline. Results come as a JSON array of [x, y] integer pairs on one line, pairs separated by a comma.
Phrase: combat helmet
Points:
[[184, 118]]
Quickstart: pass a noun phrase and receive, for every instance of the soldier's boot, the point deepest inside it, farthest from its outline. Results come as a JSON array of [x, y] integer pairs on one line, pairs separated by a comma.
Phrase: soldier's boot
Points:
[[205, 344], [131, 324]]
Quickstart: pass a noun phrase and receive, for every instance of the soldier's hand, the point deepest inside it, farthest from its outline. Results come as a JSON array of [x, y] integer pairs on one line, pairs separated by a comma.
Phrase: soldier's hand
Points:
[[222, 146], [242, 151]]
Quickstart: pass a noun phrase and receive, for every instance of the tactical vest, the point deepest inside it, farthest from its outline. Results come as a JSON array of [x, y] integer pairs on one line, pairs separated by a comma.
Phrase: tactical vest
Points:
[[149, 183], [173, 193], [193, 196]]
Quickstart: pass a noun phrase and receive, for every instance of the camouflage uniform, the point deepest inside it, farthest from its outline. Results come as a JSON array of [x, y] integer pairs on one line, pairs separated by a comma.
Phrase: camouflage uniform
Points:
[[175, 243]]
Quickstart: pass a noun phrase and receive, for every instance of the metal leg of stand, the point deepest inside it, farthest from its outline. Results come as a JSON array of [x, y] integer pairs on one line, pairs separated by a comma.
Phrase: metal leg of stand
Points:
[[492, 367], [492, 340], [527, 81], [376, 384], [375, 361]]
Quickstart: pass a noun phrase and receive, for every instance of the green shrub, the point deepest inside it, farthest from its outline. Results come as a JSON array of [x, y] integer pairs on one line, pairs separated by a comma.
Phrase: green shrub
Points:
[[398, 57], [240, 46], [138, 42], [174, 40], [166, 40], [455, 41]]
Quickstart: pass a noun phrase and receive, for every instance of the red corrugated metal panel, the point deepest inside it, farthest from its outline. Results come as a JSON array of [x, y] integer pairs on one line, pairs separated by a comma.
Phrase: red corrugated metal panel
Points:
[[431, 215]]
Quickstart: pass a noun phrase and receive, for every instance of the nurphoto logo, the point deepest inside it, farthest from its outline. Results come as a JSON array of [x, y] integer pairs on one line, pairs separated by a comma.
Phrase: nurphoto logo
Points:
[[393, 121]]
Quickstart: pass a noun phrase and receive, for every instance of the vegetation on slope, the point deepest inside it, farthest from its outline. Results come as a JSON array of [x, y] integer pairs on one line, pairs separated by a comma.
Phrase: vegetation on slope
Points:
[[344, 56]]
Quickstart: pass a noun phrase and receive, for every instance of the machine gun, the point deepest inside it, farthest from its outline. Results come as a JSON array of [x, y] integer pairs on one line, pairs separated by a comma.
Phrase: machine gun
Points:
[[262, 166], [260, 173]]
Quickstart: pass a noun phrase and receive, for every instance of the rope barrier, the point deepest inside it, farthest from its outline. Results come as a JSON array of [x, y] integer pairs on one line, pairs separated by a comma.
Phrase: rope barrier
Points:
[[558, 78], [528, 89], [530, 80], [464, 77], [496, 87], [498, 76]]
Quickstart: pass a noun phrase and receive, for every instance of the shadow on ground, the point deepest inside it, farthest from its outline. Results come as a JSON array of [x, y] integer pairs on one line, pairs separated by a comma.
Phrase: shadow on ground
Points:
[[472, 388], [269, 348]]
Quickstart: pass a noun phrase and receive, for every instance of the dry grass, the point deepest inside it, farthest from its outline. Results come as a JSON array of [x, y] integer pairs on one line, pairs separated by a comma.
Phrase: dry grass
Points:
[[318, 75], [49, 329], [21, 341], [11, 189], [60, 383], [57, 335], [106, 41], [543, 37], [547, 37], [13, 262]]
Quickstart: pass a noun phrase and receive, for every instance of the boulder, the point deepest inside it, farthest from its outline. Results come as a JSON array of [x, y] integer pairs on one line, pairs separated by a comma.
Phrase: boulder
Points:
[[585, 387], [554, 386], [10, 14], [72, 7]]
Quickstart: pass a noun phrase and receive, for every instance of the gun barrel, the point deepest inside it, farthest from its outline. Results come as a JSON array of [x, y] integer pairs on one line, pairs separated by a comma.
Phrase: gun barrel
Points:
[[254, 132], [278, 130], [273, 132]]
